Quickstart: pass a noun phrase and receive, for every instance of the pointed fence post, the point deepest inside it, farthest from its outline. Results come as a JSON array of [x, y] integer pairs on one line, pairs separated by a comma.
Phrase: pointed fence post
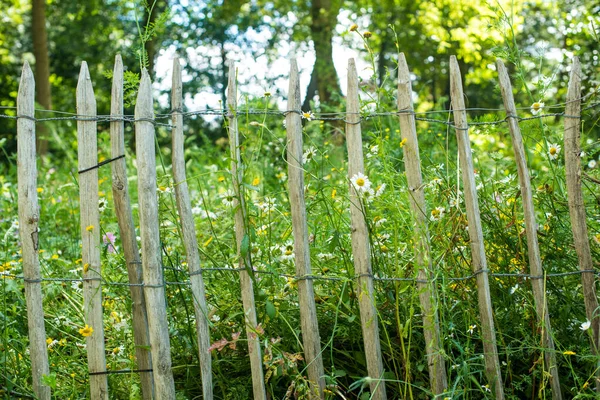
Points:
[[479, 260], [427, 294], [533, 249], [360, 241], [577, 206], [154, 284], [242, 239], [120, 190], [87, 146], [29, 215], [188, 230], [306, 296]]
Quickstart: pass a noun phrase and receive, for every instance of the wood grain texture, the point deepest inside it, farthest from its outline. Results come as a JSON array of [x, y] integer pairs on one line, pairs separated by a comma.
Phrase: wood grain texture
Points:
[[306, 296], [154, 289], [427, 294], [87, 148], [360, 241], [533, 249], [120, 190], [29, 215], [577, 212], [246, 281], [188, 229], [478, 257]]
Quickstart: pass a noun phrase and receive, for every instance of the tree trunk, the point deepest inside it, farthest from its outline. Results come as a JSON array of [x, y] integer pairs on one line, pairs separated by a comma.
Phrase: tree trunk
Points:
[[311, 91], [150, 16], [324, 19], [42, 67]]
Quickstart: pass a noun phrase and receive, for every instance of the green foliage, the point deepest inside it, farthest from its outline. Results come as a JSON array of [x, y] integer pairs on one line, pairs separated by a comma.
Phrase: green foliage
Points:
[[421, 30]]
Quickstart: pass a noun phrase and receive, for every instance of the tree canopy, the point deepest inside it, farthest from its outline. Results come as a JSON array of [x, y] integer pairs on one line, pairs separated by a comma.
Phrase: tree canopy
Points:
[[537, 39]]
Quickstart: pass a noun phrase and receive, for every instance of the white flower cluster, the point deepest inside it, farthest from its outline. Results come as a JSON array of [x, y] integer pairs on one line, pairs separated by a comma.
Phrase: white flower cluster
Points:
[[362, 185]]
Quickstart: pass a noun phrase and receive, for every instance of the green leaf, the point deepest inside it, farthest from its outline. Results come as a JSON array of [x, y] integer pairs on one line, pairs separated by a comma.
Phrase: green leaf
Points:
[[245, 246], [49, 380], [271, 310], [339, 373]]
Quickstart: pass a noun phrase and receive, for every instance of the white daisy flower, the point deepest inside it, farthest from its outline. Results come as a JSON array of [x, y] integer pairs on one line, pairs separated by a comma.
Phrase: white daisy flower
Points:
[[102, 204], [592, 164], [379, 190], [267, 205], [309, 155], [537, 107], [437, 213], [308, 115], [361, 182], [287, 251], [553, 151], [164, 189], [373, 151], [228, 198], [586, 325]]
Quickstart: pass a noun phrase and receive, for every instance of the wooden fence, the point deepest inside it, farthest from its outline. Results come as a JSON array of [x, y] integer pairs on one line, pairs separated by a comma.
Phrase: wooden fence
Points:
[[147, 285]]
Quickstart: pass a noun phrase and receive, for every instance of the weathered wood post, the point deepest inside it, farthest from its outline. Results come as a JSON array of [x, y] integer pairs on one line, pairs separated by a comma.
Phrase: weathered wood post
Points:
[[258, 382], [533, 249], [306, 296], [427, 295], [577, 205], [479, 260], [154, 285], [29, 215], [120, 190], [87, 146], [360, 241], [188, 229]]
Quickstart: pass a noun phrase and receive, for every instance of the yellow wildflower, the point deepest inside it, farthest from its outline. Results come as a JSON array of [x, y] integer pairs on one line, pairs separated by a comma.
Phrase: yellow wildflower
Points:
[[353, 28], [86, 331]]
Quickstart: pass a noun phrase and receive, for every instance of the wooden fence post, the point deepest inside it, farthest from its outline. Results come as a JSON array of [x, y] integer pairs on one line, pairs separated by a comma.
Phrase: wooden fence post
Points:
[[577, 205], [120, 190], [188, 230], [87, 146], [258, 382], [479, 260], [360, 241], [427, 294], [29, 216], [533, 250], [154, 284], [306, 295]]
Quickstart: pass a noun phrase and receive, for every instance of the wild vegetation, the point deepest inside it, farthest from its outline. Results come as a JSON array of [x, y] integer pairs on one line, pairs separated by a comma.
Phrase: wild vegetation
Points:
[[427, 33]]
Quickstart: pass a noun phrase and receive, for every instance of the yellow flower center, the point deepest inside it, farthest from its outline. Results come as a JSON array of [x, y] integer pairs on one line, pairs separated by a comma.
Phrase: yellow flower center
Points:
[[536, 106], [435, 212], [553, 150], [360, 182]]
